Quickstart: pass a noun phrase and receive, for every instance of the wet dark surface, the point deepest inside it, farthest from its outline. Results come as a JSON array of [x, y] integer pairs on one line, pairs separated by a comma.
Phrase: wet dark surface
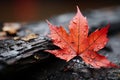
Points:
[[27, 60]]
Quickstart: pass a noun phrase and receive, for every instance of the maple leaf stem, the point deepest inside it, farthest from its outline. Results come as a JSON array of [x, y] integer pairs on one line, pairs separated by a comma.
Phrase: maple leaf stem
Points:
[[78, 25], [78, 36]]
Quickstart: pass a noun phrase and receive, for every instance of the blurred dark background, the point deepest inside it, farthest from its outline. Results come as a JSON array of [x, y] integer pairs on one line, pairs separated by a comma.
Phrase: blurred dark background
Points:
[[36, 10]]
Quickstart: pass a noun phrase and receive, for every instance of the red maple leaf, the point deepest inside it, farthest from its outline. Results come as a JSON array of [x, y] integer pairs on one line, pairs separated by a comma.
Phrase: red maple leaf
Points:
[[78, 43]]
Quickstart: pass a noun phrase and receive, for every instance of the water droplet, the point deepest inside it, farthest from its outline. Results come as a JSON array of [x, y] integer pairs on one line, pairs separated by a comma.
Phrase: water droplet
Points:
[[74, 60], [95, 49], [92, 56], [77, 61], [90, 60], [74, 22]]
